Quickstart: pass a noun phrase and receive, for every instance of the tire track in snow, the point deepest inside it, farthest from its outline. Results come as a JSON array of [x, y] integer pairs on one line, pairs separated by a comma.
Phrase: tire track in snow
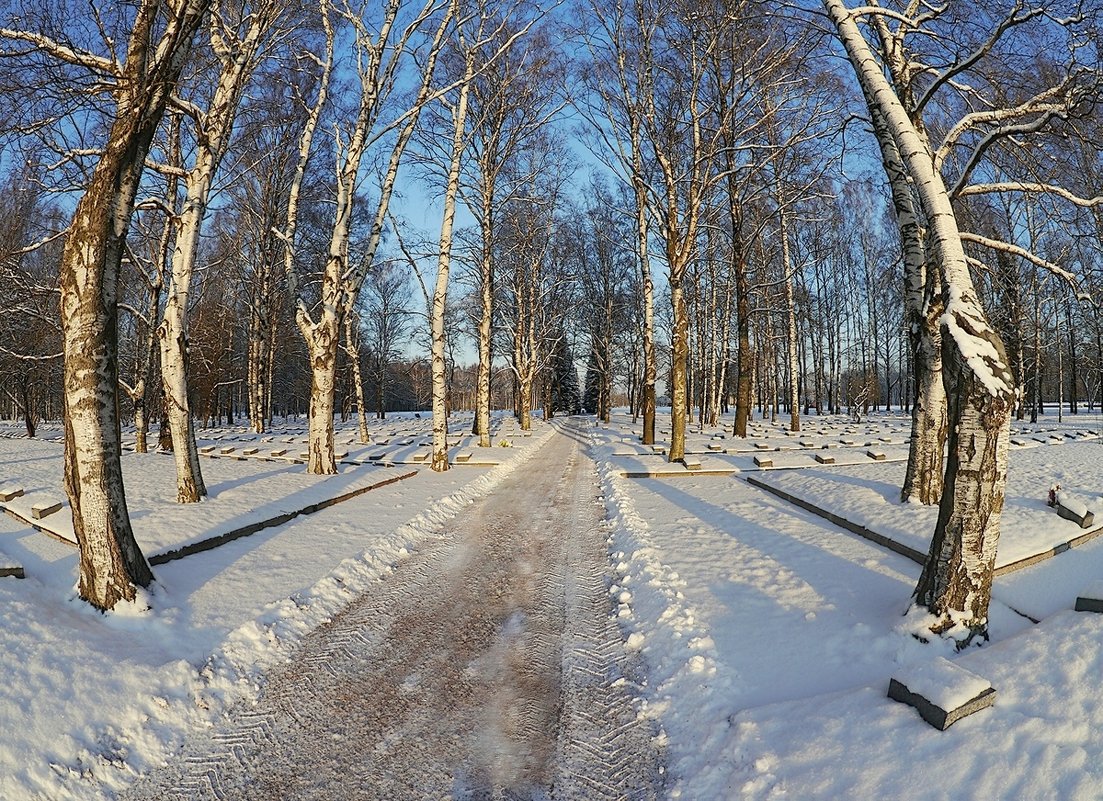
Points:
[[485, 667]]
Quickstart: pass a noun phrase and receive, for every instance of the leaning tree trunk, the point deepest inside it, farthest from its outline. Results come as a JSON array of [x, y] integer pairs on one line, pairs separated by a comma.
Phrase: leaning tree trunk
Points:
[[174, 349], [955, 585], [923, 480], [111, 565]]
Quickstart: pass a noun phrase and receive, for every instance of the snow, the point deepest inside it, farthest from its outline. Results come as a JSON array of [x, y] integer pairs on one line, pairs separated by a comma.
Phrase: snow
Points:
[[90, 700], [796, 627], [767, 636]]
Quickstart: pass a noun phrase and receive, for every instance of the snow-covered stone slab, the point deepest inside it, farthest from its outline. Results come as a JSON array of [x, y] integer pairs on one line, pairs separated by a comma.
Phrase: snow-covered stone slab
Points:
[[691, 463], [884, 439], [45, 508], [8, 493], [278, 452], [825, 458], [763, 461], [762, 446], [463, 456], [304, 455], [227, 450], [942, 692], [406, 442], [1072, 509], [806, 443], [420, 456], [1018, 441], [715, 446], [250, 451], [658, 449], [206, 449], [1091, 599], [848, 441], [877, 456], [10, 569], [341, 455]]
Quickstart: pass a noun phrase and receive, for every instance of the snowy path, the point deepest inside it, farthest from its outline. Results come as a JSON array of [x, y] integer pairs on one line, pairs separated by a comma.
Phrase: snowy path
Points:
[[485, 666]]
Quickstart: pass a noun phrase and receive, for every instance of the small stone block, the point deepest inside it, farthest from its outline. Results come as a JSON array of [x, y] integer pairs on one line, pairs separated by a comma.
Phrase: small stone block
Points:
[[715, 446], [884, 439], [13, 571], [848, 441], [763, 461], [463, 456], [762, 446], [341, 455], [824, 458], [304, 454], [807, 443], [227, 449], [420, 456], [1074, 511], [1017, 441], [384, 441], [279, 452], [658, 449], [1091, 599], [8, 493], [691, 463], [251, 451], [876, 456], [207, 449], [942, 692], [406, 442], [45, 509]]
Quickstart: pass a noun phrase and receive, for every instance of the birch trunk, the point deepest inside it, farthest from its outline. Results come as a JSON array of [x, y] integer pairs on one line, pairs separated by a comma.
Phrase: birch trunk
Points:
[[440, 291], [955, 585], [352, 347], [481, 425], [323, 342], [679, 412], [650, 367], [111, 566], [174, 339]]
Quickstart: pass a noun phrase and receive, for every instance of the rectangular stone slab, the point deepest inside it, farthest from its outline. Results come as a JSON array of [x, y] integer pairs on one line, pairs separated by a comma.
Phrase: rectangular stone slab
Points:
[[823, 458], [940, 718], [941, 691], [691, 463], [763, 461], [8, 493], [876, 456], [44, 509]]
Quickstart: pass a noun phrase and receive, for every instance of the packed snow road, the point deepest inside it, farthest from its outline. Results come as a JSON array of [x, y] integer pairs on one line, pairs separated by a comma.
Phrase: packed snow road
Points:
[[485, 667]]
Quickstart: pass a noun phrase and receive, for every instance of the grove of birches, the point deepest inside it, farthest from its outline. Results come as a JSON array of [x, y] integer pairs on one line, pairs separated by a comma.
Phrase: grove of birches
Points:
[[233, 211]]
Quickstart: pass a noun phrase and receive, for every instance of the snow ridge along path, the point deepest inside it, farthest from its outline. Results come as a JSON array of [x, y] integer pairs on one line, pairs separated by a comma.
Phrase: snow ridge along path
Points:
[[486, 666]]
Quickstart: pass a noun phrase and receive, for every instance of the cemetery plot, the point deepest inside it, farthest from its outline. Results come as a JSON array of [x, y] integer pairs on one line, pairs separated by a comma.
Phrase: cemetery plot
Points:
[[868, 496]]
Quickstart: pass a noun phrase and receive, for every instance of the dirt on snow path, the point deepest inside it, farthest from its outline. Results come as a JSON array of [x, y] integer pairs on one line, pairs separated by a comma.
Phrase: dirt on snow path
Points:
[[486, 666]]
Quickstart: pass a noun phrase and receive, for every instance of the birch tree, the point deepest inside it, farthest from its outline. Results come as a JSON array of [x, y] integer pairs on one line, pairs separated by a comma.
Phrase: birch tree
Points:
[[955, 585], [111, 565]]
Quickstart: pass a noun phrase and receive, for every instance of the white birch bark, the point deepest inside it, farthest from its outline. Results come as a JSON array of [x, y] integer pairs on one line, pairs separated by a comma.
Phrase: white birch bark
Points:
[[955, 585], [111, 565], [440, 291]]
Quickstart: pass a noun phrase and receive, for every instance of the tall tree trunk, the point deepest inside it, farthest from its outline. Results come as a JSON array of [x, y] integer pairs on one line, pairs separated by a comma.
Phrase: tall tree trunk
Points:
[[955, 585], [679, 411], [481, 424], [111, 565], [323, 342], [650, 367], [444, 260], [352, 347]]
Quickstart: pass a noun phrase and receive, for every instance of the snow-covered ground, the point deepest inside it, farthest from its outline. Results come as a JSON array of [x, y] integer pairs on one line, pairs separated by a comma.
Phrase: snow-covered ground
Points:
[[89, 699], [771, 635]]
